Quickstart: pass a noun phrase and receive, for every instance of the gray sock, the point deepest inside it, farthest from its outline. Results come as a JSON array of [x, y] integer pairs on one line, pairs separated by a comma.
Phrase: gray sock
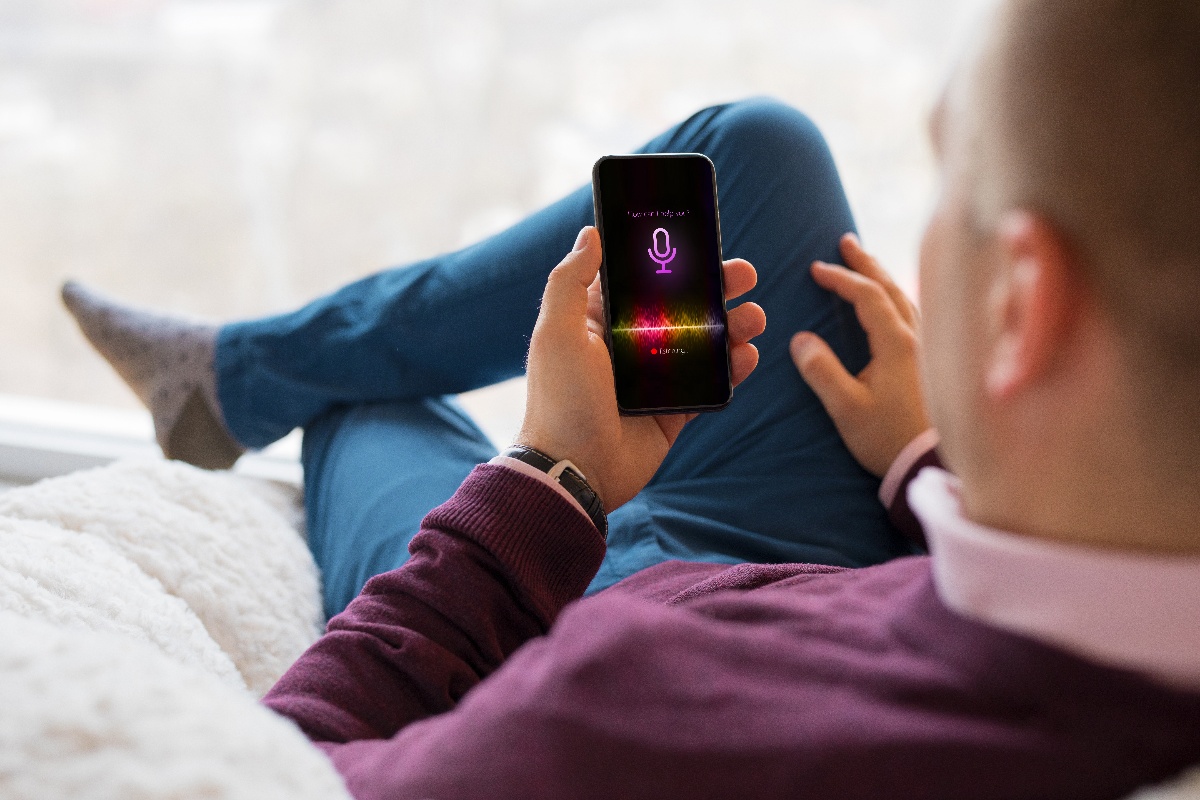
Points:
[[168, 363]]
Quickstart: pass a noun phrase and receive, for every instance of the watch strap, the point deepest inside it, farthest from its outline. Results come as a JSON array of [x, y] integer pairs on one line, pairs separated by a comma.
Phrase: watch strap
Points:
[[569, 477]]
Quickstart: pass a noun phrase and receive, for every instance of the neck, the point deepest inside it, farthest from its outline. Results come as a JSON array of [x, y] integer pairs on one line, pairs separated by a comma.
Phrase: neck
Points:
[[1100, 487]]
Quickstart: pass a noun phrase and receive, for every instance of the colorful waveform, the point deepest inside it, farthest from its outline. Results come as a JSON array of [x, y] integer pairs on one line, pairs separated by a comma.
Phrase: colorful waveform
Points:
[[661, 328]]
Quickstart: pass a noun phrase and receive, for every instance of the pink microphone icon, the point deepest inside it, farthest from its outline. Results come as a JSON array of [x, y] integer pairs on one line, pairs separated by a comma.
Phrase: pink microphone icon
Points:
[[666, 256]]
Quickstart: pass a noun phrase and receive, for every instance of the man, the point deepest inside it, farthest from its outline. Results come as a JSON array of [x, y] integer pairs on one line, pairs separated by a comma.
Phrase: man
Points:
[[1049, 647]]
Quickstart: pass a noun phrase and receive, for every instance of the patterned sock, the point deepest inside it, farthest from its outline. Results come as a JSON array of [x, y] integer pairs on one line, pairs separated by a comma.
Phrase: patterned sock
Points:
[[168, 363]]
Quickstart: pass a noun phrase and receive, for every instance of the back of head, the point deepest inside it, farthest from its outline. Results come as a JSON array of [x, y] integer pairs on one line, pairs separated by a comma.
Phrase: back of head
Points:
[[1093, 120]]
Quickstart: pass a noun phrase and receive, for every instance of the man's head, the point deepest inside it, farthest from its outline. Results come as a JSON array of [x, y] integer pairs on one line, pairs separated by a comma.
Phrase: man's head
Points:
[[1061, 271]]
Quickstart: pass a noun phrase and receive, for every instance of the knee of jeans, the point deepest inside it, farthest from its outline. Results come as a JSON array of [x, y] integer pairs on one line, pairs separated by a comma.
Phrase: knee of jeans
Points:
[[768, 125]]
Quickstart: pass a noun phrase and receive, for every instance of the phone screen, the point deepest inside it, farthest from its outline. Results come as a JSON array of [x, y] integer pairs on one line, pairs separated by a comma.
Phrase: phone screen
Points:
[[663, 287]]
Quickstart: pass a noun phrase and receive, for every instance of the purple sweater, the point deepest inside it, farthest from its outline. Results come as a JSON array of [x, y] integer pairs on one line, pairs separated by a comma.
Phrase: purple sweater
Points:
[[470, 672]]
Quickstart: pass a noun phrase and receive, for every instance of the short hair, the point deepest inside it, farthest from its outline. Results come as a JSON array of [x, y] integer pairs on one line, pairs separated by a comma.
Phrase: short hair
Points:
[[1092, 119]]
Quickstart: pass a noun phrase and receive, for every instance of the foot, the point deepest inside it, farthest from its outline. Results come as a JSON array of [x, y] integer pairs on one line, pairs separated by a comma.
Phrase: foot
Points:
[[168, 363]]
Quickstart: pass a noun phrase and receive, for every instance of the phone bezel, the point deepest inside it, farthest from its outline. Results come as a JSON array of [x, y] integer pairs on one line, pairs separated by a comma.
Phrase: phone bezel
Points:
[[599, 217]]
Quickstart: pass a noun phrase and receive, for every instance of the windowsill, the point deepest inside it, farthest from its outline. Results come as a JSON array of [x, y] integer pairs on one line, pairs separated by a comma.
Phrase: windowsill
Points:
[[42, 438]]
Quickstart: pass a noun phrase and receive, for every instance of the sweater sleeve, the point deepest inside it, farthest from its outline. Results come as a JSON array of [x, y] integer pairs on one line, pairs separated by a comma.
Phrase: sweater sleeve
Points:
[[490, 569], [921, 453]]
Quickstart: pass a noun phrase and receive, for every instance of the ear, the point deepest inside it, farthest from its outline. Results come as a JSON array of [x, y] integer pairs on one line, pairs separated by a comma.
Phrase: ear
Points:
[[1032, 304]]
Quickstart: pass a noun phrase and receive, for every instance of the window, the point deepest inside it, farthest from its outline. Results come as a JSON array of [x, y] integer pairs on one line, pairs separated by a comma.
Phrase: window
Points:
[[235, 157]]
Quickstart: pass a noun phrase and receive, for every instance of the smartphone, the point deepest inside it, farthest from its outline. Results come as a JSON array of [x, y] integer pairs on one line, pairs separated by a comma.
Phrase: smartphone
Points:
[[664, 292]]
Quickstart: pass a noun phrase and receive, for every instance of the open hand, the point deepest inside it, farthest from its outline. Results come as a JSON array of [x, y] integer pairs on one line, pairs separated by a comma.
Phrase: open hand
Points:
[[880, 410], [571, 412]]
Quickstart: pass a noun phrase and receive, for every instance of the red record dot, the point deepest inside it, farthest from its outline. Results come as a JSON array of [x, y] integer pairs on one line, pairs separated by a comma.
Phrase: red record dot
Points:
[[653, 351]]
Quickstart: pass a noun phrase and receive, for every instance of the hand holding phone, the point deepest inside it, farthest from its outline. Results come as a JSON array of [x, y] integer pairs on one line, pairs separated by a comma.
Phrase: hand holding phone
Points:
[[571, 411]]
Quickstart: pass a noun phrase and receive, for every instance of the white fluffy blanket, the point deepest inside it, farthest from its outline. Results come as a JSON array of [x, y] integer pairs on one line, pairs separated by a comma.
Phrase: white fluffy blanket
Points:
[[144, 607]]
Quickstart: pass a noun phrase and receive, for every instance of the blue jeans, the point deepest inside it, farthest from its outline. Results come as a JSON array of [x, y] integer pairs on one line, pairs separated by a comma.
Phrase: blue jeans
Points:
[[367, 372]]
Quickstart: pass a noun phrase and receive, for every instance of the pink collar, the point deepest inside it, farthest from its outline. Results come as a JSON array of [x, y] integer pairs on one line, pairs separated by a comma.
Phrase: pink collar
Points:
[[1130, 610]]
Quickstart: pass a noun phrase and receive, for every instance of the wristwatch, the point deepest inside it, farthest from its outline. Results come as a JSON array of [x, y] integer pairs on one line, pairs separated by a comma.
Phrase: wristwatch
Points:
[[569, 477]]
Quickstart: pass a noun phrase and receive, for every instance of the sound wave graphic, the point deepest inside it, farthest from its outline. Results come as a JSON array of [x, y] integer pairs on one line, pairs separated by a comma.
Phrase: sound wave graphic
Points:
[[661, 328]]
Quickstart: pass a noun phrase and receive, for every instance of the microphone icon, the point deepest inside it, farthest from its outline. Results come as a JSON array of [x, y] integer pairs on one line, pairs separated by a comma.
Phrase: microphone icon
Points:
[[666, 256]]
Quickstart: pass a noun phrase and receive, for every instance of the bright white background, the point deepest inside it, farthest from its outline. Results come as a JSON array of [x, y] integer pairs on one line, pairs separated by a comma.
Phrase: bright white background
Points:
[[234, 157]]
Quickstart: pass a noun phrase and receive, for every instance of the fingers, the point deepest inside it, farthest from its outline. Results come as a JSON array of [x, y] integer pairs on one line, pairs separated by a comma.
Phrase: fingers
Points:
[[595, 310], [860, 260], [743, 358], [740, 277], [887, 329], [565, 300], [745, 322], [838, 390], [866, 264]]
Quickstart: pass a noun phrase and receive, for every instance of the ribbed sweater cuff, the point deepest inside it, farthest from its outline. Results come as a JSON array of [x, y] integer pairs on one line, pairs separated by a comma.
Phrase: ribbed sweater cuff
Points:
[[550, 550]]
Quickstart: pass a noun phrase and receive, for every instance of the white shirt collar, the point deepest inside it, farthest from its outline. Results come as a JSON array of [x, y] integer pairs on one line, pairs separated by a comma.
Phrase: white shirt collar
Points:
[[1130, 610]]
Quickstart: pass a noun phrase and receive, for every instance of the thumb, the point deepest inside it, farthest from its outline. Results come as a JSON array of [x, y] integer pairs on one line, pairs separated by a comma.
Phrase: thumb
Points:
[[837, 389], [566, 297]]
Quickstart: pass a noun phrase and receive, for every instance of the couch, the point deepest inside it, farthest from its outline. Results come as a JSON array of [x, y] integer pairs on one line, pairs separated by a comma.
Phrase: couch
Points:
[[144, 608]]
